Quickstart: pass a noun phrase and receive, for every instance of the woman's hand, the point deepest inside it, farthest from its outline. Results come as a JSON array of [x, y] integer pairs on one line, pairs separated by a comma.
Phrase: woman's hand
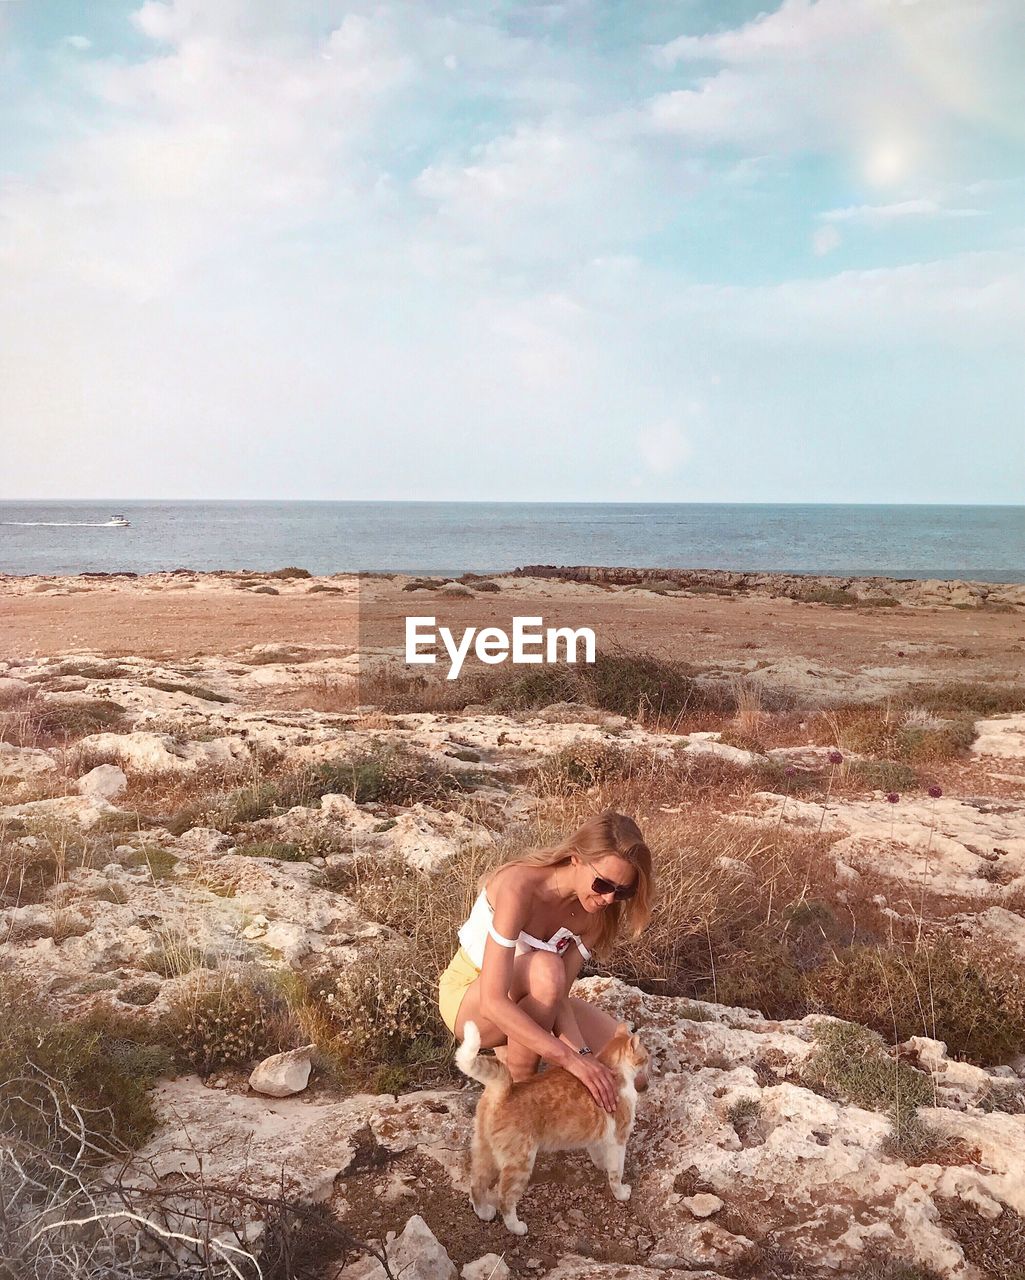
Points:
[[599, 1080]]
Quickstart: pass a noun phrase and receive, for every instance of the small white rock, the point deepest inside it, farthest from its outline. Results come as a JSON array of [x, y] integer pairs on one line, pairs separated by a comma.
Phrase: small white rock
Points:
[[103, 783], [703, 1205], [488, 1267], [283, 1074], [257, 928]]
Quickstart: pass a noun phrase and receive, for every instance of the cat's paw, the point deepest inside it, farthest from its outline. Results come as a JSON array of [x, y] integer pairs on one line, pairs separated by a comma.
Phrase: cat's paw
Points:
[[623, 1191], [486, 1212], [517, 1227]]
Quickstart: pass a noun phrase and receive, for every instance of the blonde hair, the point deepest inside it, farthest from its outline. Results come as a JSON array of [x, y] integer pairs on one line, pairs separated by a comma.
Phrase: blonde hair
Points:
[[601, 835]]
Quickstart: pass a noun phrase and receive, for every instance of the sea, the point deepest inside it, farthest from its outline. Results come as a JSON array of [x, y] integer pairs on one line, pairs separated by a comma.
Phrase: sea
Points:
[[978, 542]]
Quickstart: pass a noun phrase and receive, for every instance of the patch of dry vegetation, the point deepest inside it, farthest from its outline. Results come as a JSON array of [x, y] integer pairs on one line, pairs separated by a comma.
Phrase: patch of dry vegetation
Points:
[[105, 1063], [754, 916], [895, 731], [36, 855], [32, 720]]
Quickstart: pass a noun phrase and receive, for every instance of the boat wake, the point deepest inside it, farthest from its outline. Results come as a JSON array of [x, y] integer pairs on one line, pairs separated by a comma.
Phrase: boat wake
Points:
[[62, 524]]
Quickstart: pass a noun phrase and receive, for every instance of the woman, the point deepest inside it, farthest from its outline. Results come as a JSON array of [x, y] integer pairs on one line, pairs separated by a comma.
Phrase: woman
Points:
[[535, 922]]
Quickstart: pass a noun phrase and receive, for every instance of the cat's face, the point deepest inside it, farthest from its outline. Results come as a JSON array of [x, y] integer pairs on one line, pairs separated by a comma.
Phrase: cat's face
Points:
[[639, 1060], [630, 1051]]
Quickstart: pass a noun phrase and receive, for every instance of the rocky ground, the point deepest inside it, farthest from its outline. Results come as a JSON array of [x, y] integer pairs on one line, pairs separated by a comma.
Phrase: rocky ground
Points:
[[178, 802]]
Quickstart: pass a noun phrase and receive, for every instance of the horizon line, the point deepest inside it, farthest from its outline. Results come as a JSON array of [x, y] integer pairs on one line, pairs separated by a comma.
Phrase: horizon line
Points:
[[521, 502]]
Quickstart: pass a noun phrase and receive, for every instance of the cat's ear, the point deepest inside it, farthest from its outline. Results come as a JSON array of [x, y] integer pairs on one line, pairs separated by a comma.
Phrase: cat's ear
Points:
[[623, 1030]]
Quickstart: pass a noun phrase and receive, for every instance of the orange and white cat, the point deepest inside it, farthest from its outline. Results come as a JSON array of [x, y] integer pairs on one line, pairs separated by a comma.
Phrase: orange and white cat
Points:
[[552, 1111]]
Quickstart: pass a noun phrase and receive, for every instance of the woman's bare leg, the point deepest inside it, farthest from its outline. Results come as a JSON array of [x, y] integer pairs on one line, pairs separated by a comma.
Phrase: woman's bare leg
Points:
[[539, 986], [543, 974]]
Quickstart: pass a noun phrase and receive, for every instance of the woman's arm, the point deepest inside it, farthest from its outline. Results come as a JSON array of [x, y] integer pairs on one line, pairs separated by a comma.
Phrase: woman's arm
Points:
[[510, 916]]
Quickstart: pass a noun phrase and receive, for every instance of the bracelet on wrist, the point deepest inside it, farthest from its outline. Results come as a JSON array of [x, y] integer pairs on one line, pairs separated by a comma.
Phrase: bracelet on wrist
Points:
[[583, 1049]]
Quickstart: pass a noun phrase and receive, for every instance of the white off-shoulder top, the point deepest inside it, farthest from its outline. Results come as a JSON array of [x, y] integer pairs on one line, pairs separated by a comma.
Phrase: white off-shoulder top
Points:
[[480, 924]]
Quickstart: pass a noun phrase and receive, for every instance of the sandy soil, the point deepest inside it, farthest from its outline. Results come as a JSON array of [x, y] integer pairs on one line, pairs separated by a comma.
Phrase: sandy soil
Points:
[[203, 614]]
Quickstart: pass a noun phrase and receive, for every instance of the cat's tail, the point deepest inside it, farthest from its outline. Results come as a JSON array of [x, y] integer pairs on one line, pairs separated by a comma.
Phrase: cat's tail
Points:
[[489, 1071]]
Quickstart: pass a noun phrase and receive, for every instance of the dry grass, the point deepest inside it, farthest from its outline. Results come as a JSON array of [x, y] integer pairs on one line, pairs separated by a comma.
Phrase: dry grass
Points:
[[749, 716], [995, 1246], [31, 720], [37, 855], [752, 915], [638, 685], [895, 731]]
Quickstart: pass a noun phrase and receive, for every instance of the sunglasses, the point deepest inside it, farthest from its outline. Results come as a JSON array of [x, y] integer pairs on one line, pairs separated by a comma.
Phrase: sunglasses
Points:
[[620, 891]]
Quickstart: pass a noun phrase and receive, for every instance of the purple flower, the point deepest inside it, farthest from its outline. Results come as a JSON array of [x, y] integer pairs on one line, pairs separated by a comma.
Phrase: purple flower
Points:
[[900, 653], [835, 757], [936, 792], [790, 771], [893, 797]]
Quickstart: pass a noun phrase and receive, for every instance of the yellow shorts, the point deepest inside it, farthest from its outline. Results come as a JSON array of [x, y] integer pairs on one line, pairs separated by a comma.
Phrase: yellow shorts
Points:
[[460, 974]]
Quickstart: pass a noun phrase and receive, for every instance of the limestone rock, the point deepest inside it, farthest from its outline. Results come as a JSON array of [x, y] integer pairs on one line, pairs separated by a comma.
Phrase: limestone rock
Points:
[[105, 782], [1003, 736], [489, 1267], [161, 753], [11, 689], [23, 762], [416, 1254], [580, 713], [573, 1267], [203, 841], [708, 744], [85, 810], [703, 1205], [283, 1074], [702, 1244]]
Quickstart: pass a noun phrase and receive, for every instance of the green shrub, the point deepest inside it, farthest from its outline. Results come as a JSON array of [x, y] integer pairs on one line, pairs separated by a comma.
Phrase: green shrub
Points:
[[579, 766], [916, 1142], [159, 861], [533, 689], [824, 595], [932, 990], [48, 721], [629, 683], [977, 698], [386, 1016], [172, 954], [852, 1064], [103, 1064], [884, 775]]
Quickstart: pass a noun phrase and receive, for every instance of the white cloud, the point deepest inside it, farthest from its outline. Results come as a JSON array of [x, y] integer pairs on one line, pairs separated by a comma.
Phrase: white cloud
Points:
[[887, 85], [971, 301], [205, 144], [880, 215], [81, 43], [293, 249], [824, 240]]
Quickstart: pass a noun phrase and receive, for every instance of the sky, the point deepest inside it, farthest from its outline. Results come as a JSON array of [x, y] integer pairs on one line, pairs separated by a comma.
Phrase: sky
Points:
[[664, 250]]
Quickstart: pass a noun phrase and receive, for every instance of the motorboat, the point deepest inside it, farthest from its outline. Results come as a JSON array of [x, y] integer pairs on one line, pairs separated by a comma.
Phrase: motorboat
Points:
[[118, 522]]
